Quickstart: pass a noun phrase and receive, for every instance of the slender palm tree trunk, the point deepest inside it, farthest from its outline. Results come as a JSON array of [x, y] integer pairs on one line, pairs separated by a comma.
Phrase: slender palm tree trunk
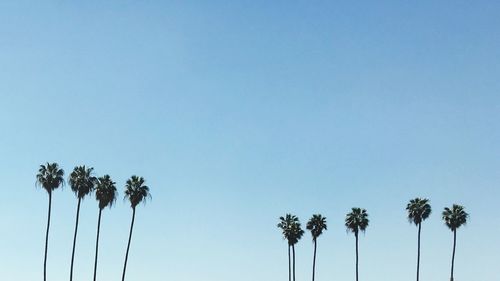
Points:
[[418, 250], [47, 239], [289, 265], [453, 255], [314, 258], [97, 243], [357, 257], [128, 246], [74, 239], [293, 253]]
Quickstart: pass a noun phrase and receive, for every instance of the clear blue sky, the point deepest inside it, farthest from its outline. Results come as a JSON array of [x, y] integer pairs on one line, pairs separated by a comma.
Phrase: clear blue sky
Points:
[[237, 112]]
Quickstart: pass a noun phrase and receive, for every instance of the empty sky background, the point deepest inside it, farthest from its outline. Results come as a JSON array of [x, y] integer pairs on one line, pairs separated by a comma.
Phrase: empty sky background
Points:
[[237, 112]]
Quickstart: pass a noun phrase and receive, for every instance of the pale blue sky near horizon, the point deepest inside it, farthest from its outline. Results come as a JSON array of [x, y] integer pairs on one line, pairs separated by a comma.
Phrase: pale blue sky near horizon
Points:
[[237, 112]]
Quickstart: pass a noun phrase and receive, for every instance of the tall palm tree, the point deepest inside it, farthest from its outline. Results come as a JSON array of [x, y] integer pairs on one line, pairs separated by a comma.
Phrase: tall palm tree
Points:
[[82, 183], [317, 224], [136, 192], [356, 221], [454, 218], [49, 177], [105, 194], [419, 210], [285, 225], [292, 232]]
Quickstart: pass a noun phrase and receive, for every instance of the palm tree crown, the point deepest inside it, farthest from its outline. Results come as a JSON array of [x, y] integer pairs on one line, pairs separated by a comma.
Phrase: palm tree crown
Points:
[[105, 191], [136, 191], [357, 220], [291, 229], [50, 177], [455, 217], [316, 225], [418, 210], [82, 181]]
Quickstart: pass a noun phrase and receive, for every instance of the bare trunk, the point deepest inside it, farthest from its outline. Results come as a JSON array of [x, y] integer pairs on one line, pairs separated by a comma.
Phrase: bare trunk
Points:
[[293, 253], [314, 259], [74, 240], [418, 250], [97, 243], [453, 255], [356, 234], [128, 246], [47, 239], [289, 265]]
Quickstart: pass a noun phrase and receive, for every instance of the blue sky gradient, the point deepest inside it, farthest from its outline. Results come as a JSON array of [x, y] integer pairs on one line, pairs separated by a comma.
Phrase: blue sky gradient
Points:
[[237, 112]]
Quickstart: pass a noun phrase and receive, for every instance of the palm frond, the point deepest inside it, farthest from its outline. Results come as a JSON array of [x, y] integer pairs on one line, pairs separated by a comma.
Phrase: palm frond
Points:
[[316, 225], [50, 177], [136, 191], [106, 192], [82, 181], [357, 220], [419, 210], [455, 217], [291, 228]]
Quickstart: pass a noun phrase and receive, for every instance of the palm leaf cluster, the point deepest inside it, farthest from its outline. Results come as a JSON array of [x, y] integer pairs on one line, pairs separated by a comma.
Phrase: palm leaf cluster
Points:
[[356, 221], [418, 210], [50, 177], [316, 225], [83, 183], [136, 191], [455, 217], [105, 192]]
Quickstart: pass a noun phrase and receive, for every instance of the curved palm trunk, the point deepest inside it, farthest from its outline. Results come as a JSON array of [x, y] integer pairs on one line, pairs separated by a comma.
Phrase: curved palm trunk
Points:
[[418, 250], [97, 243], [289, 265], [357, 257], [453, 255], [314, 258], [74, 239], [47, 239], [293, 253], [128, 246]]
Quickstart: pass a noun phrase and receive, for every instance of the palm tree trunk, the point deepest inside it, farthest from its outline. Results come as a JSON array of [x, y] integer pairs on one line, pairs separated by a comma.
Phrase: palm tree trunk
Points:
[[293, 253], [289, 265], [356, 256], [128, 246], [418, 250], [453, 255], [97, 243], [74, 240], [47, 240], [314, 258]]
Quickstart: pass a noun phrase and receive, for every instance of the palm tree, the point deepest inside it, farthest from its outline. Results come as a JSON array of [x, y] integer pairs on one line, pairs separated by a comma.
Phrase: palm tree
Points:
[[105, 194], [49, 177], [82, 183], [136, 192], [356, 221], [292, 232], [418, 210], [454, 218], [316, 225]]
